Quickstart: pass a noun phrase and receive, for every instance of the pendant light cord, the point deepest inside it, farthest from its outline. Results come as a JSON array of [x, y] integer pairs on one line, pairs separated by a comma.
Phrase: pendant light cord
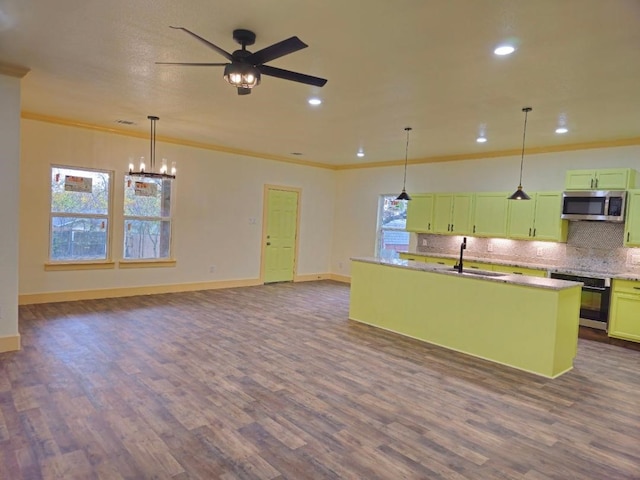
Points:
[[526, 111], [406, 158], [152, 148]]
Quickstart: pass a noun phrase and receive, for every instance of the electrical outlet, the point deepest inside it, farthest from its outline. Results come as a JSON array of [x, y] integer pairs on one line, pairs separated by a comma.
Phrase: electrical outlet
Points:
[[635, 259], [489, 247], [540, 252], [212, 269], [424, 242], [252, 221]]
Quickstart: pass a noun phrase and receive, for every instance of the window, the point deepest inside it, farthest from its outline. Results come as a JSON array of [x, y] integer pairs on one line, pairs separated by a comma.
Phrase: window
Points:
[[392, 220], [147, 218], [79, 218]]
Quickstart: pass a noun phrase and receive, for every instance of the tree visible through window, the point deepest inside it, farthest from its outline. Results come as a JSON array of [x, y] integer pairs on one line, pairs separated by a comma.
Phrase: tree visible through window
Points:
[[147, 218], [79, 218], [392, 221]]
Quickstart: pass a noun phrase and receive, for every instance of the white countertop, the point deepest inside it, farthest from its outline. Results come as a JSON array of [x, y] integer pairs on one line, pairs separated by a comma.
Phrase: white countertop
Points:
[[524, 280], [534, 266]]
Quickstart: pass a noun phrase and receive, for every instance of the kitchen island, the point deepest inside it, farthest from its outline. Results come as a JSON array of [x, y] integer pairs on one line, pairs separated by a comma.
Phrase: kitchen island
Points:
[[529, 323]]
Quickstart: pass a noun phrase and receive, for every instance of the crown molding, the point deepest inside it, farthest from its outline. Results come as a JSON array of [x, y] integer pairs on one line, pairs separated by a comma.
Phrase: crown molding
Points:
[[13, 70]]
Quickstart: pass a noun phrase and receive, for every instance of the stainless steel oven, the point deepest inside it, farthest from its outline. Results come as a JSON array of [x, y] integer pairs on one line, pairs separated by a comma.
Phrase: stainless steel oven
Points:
[[595, 299]]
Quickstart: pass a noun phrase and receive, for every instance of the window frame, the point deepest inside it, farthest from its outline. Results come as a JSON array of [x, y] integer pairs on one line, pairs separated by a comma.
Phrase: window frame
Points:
[[87, 263], [380, 228], [125, 262]]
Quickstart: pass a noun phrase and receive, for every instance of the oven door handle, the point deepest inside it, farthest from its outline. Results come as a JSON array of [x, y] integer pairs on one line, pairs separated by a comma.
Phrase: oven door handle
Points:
[[595, 289]]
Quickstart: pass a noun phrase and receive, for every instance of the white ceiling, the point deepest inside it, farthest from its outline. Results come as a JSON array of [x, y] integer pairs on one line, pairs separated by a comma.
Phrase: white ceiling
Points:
[[427, 64]]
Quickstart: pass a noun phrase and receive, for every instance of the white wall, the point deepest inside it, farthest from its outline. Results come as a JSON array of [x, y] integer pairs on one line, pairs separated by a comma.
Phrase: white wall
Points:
[[9, 183], [216, 195], [358, 190]]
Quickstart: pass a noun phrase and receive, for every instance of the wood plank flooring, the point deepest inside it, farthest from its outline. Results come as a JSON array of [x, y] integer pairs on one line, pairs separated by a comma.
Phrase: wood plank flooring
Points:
[[274, 382]]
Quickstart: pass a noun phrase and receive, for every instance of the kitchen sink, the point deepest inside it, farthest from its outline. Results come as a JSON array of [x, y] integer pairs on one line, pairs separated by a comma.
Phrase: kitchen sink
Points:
[[482, 273]]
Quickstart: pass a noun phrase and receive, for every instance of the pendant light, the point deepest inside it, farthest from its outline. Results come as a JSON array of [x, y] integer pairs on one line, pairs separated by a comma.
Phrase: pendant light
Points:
[[520, 194], [151, 171], [404, 195]]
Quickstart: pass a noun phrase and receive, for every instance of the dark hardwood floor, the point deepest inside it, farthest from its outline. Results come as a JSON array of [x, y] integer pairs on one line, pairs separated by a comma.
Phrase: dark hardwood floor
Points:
[[274, 382]]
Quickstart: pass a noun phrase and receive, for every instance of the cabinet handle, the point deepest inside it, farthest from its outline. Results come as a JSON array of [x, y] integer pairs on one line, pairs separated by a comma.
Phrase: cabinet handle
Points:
[[636, 288], [596, 183], [534, 232], [474, 229], [627, 236], [592, 183], [429, 226], [452, 227], [529, 231]]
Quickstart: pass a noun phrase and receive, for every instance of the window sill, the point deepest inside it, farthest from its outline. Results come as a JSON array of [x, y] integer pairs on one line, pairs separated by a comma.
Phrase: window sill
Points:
[[146, 263], [57, 267]]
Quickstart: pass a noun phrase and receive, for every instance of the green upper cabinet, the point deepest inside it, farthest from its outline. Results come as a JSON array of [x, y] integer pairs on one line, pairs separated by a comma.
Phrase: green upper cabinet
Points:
[[453, 213], [602, 179], [538, 218], [632, 223], [490, 214], [420, 213]]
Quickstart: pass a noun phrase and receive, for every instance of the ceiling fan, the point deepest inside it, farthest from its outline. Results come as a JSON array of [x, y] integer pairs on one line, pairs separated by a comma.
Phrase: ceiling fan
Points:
[[244, 68]]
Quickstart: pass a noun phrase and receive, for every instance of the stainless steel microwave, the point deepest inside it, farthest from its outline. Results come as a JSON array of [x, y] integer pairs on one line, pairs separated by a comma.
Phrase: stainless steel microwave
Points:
[[602, 205]]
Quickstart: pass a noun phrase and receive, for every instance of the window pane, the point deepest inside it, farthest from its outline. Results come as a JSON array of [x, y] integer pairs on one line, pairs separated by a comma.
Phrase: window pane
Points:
[[392, 220], [147, 239], [147, 197], [77, 238], [392, 242], [79, 191]]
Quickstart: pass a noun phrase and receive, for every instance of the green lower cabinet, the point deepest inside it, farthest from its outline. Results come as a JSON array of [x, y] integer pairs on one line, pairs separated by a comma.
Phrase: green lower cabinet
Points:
[[624, 316]]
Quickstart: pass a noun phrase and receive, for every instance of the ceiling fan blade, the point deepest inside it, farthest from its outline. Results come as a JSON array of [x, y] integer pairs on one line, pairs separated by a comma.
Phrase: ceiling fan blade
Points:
[[194, 64], [276, 50], [293, 76], [222, 52], [244, 91]]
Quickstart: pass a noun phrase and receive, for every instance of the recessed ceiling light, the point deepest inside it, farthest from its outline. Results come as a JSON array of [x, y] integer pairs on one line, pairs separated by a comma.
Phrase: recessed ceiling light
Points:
[[125, 122], [481, 139], [504, 50], [315, 101], [360, 153], [296, 153], [562, 130]]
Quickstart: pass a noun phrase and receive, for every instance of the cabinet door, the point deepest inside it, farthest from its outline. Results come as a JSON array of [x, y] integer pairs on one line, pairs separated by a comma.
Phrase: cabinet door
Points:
[[547, 224], [632, 224], [521, 213], [490, 218], [420, 213], [462, 216], [624, 321], [612, 179], [580, 179], [442, 208]]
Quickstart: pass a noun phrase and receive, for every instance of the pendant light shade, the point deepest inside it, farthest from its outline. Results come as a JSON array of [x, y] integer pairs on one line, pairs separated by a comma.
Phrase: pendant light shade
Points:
[[520, 194], [404, 195]]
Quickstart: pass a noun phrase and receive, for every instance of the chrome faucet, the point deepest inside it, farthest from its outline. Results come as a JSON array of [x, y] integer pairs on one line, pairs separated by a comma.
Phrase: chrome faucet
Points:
[[463, 247]]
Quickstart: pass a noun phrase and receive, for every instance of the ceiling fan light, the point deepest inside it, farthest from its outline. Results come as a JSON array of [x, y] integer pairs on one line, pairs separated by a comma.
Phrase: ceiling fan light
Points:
[[242, 75]]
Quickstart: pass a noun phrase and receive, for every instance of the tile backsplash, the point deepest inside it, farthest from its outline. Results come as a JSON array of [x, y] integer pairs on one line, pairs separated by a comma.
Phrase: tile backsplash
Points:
[[591, 246]]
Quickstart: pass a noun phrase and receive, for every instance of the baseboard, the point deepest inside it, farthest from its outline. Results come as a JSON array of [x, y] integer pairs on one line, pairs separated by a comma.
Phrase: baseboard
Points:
[[312, 277], [10, 344], [71, 296], [339, 278]]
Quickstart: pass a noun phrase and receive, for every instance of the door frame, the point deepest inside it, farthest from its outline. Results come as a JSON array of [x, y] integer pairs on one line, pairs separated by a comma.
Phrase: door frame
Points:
[[265, 216]]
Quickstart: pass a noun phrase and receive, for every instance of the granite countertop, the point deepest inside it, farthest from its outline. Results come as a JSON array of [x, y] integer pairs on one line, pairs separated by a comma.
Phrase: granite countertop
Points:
[[524, 280], [535, 266]]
